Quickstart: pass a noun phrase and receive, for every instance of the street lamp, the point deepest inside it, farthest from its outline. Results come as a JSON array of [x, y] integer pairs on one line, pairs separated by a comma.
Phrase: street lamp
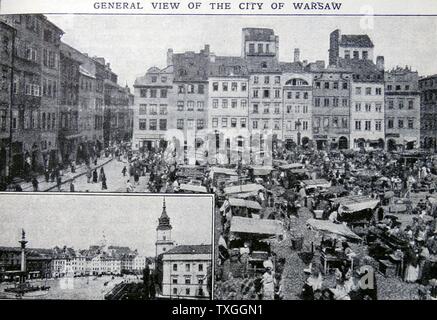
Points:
[[298, 124]]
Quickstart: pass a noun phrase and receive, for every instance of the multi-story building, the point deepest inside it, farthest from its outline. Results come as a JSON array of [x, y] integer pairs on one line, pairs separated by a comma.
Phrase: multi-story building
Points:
[[261, 50], [402, 109], [26, 153], [154, 104], [228, 113], [331, 108], [428, 112], [6, 77], [297, 86], [69, 134], [349, 47], [50, 74], [367, 105], [191, 96], [164, 241], [185, 271]]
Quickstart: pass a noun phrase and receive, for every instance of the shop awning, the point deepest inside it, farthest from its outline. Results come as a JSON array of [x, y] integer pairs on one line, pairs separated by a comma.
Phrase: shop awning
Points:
[[193, 188], [225, 171], [355, 203], [262, 227], [330, 227], [292, 166], [234, 202], [261, 171], [316, 183], [245, 188]]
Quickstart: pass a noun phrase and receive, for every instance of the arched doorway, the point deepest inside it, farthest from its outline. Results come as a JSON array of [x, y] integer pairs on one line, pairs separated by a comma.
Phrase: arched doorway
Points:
[[381, 143], [360, 143], [305, 141], [343, 143]]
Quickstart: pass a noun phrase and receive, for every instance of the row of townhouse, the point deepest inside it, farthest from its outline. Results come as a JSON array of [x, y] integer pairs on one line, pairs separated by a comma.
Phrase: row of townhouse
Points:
[[352, 103], [54, 99]]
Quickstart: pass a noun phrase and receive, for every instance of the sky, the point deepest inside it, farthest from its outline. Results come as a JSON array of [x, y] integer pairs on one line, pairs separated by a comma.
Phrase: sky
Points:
[[80, 221], [133, 44]]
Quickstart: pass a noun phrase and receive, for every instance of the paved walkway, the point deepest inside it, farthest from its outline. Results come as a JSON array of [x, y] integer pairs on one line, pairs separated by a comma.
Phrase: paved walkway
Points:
[[81, 170]]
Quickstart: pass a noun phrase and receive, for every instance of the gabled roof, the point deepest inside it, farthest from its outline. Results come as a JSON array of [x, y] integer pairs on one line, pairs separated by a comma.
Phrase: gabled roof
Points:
[[190, 66], [360, 41], [190, 249]]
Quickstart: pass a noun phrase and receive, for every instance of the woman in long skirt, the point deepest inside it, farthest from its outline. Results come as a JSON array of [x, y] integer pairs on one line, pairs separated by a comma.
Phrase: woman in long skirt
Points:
[[95, 176], [104, 186]]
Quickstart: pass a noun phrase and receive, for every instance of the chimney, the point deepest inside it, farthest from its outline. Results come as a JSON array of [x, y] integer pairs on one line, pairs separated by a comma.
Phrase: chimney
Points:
[[296, 55], [206, 50], [380, 63], [170, 57]]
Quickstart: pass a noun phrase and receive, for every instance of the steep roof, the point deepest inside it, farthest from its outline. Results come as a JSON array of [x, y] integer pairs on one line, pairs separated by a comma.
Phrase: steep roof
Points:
[[190, 66], [228, 66], [191, 249], [356, 40]]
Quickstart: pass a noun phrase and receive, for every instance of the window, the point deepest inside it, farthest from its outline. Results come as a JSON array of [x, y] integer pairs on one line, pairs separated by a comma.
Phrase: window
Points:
[[390, 123], [153, 109], [277, 79], [266, 93], [163, 93], [410, 104], [243, 104], [335, 122], [357, 107], [255, 93], [243, 122], [368, 107], [187, 281], [200, 124], [256, 79], [200, 106], [401, 104], [175, 267], [234, 86], [266, 79], [180, 124], [358, 91], [224, 122], [142, 124], [224, 103], [378, 107], [234, 103], [153, 123], [317, 102], [163, 79], [390, 104], [201, 89], [255, 124], [335, 85], [401, 124], [243, 86], [180, 106], [277, 109], [326, 102], [142, 109], [317, 84], [326, 85], [255, 108], [345, 86], [335, 102], [378, 91], [266, 124], [154, 78], [187, 291], [344, 123], [162, 124], [260, 48], [277, 126], [153, 93], [163, 109], [326, 123], [190, 88], [233, 123], [358, 125], [367, 125], [225, 86], [190, 105], [344, 103], [251, 48], [266, 108], [277, 93], [215, 86], [181, 89], [347, 54], [214, 122], [365, 55], [305, 95], [410, 124], [174, 281], [356, 55], [215, 103], [378, 125]]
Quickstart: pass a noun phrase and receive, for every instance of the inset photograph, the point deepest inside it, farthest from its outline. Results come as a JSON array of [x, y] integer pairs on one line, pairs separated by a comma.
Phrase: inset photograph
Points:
[[105, 247]]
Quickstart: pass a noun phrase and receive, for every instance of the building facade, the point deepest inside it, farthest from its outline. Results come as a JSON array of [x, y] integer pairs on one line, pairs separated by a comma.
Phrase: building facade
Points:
[[185, 272], [428, 112], [402, 109]]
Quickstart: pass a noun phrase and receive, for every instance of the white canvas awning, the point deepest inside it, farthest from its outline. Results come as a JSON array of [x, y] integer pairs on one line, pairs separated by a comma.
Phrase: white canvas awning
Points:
[[322, 183], [355, 203], [245, 188], [256, 226], [330, 227], [234, 202], [193, 188]]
